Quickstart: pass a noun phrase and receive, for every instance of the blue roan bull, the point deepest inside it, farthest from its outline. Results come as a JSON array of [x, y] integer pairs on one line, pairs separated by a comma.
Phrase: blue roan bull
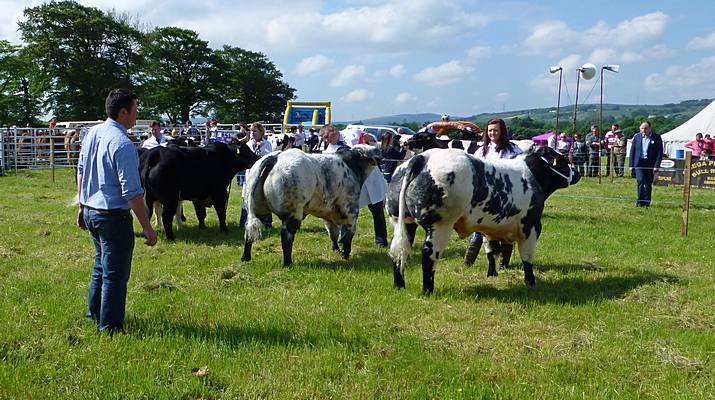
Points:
[[292, 185], [445, 189]]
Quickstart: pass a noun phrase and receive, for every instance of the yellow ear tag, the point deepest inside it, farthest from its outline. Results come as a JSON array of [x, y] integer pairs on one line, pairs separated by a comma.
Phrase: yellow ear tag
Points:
[[553, 164], [238, 151]]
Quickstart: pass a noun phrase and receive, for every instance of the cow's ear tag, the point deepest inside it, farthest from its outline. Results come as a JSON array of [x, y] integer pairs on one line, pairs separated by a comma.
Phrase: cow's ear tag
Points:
[[238, 151], [553, 163]]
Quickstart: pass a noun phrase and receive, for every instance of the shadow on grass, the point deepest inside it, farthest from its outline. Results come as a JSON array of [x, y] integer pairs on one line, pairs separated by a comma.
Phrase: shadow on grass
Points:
[[371, 259], [574, 291], [236, 335], [210, 236]]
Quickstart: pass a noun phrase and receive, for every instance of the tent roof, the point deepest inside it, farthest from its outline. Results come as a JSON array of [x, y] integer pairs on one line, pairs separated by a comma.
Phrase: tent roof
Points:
[[703, 122], [543, 137]]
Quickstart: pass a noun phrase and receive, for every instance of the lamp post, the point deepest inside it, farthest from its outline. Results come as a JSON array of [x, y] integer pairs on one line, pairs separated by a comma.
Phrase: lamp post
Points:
[[586, 71], [560, 70], [612, 68]]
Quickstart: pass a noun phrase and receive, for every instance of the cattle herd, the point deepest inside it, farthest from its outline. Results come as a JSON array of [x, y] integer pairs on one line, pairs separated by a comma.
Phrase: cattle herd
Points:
[[440, 189]]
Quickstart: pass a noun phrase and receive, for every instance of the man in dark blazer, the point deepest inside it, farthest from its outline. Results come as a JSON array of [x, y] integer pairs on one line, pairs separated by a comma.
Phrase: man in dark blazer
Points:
[[646, 154]]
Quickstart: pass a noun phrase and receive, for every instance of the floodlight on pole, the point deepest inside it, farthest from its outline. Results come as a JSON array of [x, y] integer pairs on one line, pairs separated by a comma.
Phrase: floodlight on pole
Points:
[[613, 68], [560, 70], [586, 71]]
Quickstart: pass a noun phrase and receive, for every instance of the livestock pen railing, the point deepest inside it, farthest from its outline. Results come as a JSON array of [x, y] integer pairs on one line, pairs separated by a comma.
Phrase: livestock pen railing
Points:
[[37, 148], [43, 148]]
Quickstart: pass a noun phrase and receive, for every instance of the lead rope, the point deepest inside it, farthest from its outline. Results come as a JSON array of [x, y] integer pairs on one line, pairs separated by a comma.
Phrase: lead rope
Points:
[[568, 178]]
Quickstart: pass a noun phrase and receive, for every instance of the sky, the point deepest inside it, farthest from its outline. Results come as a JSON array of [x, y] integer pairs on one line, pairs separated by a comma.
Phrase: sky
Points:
[[378, 58]]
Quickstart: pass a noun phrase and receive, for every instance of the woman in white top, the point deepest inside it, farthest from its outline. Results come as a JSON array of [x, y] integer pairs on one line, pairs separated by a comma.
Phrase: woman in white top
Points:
[[496, 145], [496, 142], [261, 147], [563, 146], [257, 143], [373, 191]]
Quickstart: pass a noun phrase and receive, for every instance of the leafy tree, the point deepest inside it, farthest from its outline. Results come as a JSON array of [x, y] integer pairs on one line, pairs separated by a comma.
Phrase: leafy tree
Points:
[[252, 87], [180, 74], [18, 102], [81, 54]]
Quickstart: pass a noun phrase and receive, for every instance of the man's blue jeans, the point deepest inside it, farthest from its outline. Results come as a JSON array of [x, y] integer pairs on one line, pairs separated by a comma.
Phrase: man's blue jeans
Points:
[[112, 233], [644, 177]]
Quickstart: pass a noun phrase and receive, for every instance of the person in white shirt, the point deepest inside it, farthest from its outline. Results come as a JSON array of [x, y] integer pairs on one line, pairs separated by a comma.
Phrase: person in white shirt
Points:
[[258, 143], [157, 138], [553, 140], [212, 129], [609, 139], [299, 137], [261, 147], [563, 146], [496, 145], [373, 191]]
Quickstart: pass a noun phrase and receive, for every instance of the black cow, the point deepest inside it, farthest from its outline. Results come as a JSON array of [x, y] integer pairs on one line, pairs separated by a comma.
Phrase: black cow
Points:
[[198, 174]]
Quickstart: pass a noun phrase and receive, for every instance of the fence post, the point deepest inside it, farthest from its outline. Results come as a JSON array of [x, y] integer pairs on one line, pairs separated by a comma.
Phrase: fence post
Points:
[[2, 152], [686, 195], [612, 163], [14, 143], [52, 157]]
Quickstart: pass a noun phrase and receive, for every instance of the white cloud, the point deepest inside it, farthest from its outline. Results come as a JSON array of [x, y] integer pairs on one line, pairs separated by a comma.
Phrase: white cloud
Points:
[[686, 80], [10, 14], [373, 28], [310, 65], [556, 36], [358, 95], [397, 70], [347, 75], [450, 72], [550, 82], [702, 42], [478, 52], [404, 98]]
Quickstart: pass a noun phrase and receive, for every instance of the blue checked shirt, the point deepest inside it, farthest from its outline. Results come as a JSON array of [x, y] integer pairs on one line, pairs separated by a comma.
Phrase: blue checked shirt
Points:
[[109, 165]]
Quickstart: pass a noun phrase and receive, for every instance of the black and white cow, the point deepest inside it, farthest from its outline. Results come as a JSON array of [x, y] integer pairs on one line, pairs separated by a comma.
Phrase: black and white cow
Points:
[[424, 141], [443, 190], [293, 184], [198, 174]]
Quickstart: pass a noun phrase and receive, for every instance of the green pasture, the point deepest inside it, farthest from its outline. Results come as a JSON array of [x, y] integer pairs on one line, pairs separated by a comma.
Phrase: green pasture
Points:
[[623, 308]]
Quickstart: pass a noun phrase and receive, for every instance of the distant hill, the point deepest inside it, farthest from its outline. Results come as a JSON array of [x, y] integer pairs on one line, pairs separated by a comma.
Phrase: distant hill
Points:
[[402, 119], [586, 112]]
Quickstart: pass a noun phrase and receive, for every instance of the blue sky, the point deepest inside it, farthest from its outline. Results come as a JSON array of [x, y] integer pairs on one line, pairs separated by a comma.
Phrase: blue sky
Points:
[[375, 58]]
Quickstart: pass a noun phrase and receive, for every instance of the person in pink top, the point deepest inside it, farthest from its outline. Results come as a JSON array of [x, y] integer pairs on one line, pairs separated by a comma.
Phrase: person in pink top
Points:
[[708, 146], [697, 145]]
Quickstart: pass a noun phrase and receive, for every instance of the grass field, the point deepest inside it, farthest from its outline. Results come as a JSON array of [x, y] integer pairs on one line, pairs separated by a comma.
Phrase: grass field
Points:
[[623, 308]]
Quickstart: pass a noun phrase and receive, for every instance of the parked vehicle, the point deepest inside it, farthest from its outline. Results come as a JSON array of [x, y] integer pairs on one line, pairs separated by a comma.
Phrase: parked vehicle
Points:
[[379, 130]]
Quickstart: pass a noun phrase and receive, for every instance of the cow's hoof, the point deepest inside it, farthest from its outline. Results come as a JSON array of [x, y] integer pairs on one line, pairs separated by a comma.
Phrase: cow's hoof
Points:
[[244, 258], [399, 287], [492, 273], [530, 281]]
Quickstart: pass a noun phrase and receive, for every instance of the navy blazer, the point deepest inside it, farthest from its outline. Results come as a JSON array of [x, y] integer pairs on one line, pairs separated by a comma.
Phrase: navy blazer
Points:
[[655, 151]]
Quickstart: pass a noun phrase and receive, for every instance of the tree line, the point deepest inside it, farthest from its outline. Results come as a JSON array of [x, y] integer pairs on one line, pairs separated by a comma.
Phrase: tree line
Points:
[[74, 55]]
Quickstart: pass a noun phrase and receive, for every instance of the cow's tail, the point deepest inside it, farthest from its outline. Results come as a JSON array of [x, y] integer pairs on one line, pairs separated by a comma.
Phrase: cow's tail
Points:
[[255, 198], [400, 247]]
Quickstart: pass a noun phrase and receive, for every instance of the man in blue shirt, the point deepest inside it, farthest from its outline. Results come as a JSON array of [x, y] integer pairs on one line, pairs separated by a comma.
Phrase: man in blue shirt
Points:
[[646, 154], [108, 186]]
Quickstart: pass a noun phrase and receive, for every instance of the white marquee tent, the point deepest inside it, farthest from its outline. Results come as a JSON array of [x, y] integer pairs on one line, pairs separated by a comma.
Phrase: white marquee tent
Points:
[[703, 122]]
